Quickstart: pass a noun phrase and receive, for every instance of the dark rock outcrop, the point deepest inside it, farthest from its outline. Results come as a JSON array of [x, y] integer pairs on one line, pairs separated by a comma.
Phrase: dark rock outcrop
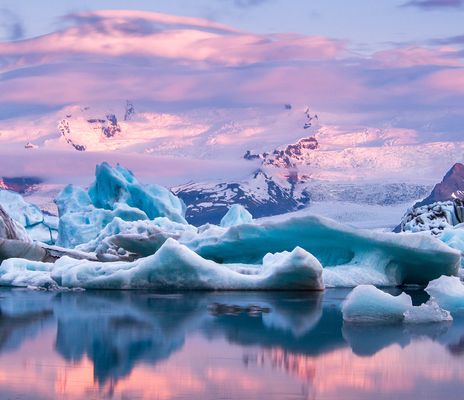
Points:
[[453, 182]]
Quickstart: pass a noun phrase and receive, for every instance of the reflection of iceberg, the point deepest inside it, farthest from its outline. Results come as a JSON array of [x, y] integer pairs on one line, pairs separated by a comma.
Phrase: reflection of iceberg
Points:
[[22, 316], [119, 330]]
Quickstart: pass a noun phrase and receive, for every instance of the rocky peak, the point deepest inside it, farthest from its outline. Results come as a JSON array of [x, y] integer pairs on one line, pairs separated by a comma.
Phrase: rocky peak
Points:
[[452, 182]]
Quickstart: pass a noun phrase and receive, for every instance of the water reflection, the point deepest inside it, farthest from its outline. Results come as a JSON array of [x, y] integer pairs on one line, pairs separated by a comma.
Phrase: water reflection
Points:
[[199, 345]]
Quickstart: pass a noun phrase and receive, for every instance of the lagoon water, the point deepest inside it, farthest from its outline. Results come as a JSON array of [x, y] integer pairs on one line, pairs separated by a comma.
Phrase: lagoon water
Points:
[[143, 345]]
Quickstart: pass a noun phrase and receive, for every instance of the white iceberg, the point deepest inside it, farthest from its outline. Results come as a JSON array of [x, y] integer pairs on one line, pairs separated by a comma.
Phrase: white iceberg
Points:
[[236, 215], [427, 313], [366, 303], [448, 292], [172, 267]]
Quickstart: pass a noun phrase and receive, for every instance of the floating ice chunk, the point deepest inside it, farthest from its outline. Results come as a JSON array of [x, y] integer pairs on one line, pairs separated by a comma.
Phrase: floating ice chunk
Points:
[[73, 199], [115, 193], [173, 266], [10, 229], [352, 276], [39, 227], [24, 273], [454, 238], [366, 303], [390, 258], [426, 313], [124, 240], [22, 212], [116, 185], [448, 292], [236, 215], [76, 228]]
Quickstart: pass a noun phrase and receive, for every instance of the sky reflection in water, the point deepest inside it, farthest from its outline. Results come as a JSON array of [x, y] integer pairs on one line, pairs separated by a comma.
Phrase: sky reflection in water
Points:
[[127, 345]]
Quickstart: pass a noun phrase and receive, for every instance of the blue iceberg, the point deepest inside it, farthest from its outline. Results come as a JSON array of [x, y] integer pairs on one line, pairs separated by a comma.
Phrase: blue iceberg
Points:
[[116, 193], [172, 267], [39, 226], [236, 215], [350, 256]]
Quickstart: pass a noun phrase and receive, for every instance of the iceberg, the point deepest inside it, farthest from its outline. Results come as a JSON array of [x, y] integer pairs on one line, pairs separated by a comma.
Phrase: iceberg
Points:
[[10, 229], [172, 267], [123, 240], [366, 303], [116, 193], [454, 238], [119, 185], [351, 255], [236, 215], [427, 313], [448, 292], [39, 227]]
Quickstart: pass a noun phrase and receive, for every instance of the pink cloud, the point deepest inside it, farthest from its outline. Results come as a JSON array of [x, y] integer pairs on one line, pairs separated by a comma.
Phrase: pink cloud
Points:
[[412, 56]]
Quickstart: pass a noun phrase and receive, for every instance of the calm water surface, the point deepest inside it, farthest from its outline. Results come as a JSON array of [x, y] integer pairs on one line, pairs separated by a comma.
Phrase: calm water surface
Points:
[[127, 345]]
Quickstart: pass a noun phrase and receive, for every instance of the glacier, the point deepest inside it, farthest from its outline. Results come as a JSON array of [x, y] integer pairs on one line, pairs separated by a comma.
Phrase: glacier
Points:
[[368, 304], [172, 267]]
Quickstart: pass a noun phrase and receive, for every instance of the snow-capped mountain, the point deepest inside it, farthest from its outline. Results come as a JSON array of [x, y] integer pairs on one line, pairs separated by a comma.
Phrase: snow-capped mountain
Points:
[[261, 194], [452, 183], [319, 162], [284, 182], [23, 185]]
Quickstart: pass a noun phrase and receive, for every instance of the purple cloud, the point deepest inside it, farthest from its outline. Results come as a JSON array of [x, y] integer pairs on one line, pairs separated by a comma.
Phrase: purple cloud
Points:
[[434, 4], [11, 27]]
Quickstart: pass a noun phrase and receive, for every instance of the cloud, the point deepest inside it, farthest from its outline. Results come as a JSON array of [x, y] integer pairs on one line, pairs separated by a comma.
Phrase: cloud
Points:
[[175, 63], [248, 3], [11, 27], [459, 40], [434, 4]]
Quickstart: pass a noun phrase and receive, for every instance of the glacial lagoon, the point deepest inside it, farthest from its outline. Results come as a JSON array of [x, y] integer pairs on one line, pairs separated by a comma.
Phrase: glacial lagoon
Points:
[[220, 345]]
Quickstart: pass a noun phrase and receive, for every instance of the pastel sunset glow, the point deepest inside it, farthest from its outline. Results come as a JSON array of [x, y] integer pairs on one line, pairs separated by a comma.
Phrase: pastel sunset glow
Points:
[[227, 62]]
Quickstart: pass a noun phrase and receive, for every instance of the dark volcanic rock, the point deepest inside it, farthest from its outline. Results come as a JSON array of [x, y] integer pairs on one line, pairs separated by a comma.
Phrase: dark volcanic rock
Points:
[[452, 182]]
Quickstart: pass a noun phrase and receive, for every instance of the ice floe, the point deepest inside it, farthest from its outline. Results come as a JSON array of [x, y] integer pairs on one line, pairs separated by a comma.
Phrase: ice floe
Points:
[[368, 304], [448, 292], [173, 267]]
